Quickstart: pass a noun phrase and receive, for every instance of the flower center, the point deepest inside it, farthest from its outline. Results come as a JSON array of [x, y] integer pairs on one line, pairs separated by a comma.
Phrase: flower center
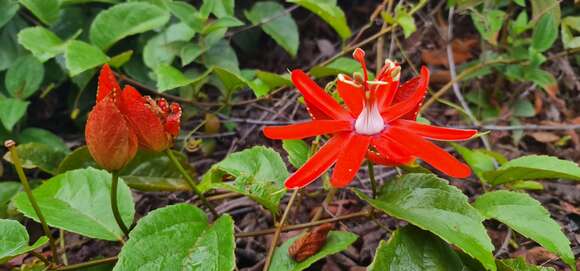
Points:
[[370, 121]]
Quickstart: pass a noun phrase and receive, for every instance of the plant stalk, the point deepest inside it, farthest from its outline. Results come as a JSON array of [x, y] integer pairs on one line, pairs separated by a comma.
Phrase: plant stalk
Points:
[[114, 205], [191, 183], [11, 145], [279, 227]]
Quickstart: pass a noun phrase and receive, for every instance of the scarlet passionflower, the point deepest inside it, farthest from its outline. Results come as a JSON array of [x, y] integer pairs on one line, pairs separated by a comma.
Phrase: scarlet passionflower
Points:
[[379, 123], [123, 120]]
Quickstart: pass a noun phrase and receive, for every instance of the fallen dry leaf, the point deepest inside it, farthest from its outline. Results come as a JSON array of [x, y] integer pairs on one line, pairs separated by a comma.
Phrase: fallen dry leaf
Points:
[[536, 255], [310, 243], [545, 137], [462, 49]]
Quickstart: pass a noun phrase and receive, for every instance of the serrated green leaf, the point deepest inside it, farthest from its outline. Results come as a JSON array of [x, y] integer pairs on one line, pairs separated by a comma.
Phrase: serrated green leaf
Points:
[[282, 29], [329, 12], [14, 240], [533, 167], [411, 248], [169, 77], [24, 77], [79, 201], [45, 10], [40, 155], [8, 9], [11, 111], [81, 56], [43, 44], [178, 237], [545, 33], [259, 173], [430, 203], [123, 20], [298, 152], [519, 264], [488, 24], [528, 217], [336, 241]]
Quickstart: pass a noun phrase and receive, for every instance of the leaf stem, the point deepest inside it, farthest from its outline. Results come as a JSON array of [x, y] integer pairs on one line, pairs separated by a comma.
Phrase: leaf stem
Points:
[[11, 145], [88, 264], [114, 205], [190, 182], [371, 170], [279, 227]]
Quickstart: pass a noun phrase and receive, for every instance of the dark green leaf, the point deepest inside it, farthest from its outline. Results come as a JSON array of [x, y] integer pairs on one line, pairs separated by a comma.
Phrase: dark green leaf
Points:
[[123, 20], [329, 12], [46, 10], [411, 248], [24, 77], [169, 77], [282, 29], [298, 152], [10, 51], [232, 82], [336, 241], [545, 33], [534, 167], [222, 55], [274, 80], [187, 14], [39, 155], [179, 237], [430, 203], [11, 111], [79, 201], [14, 240], [7, 192], [162, 48], [528, 217], [81, 56], [8, 9], [43, 44]]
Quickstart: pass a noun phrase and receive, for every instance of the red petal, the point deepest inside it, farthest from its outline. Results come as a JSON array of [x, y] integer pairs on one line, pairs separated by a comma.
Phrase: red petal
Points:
[[349, 160], [107, 84], [315, 113], [386, 93], [173, 120], [110, 140], [434, 132], [410, 90], [353, 95], [317, 97], [378, 159], [429, 152], [411, 105], [318, 163], [146, 123], [389, 153], [307, 129]]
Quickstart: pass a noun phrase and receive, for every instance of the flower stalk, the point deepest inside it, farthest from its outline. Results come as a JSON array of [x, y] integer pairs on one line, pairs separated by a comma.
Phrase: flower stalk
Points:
[[114, 205], [11, 146]]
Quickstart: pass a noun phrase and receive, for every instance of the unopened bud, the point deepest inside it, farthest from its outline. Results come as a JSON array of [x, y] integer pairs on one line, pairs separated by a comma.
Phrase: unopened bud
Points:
[[9, 143]]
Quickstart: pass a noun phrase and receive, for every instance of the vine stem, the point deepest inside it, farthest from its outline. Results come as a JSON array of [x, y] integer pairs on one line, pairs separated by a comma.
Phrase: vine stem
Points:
[[190, 182], [327, 200], [11, 146], [114, 205], [279, 227]]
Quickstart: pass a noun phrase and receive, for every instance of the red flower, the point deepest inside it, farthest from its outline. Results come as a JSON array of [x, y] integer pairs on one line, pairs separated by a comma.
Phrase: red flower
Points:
[[379, 124], [122, 120]]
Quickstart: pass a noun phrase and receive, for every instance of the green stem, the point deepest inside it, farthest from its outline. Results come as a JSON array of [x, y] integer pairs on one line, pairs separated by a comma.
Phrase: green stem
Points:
[[190, 182], [114, 205], [278, 231], [11, 145], [84, 265], [371, 168]]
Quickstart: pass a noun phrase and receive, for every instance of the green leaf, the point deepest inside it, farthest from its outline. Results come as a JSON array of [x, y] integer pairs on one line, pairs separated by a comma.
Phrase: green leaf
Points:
[[545, 33], [549, 7], [120, 59], [46, 10], [79, 201], [528, 217], [10, 51], [8, 9], [14, 240], [39, 155], [123, 20], [43, 44], [221, 8], [259, 173], [232, 82], [534, 167], [187, 14], [298, 152], [405, 20], [478, 160], [568, 39], [519, 264], [24, 77], [190, 52], [11, 111], [7, 192], [523, 108], [430, 203], [163, 47], [411, 248], [169, 77], [222, 24], [274, 80], [282, 29], [336, 241], [488, 24], [527, 185], [148, 171], [329, 12], [178, 237], [340, 65], [81, 56], [521, 23], [222, 55]]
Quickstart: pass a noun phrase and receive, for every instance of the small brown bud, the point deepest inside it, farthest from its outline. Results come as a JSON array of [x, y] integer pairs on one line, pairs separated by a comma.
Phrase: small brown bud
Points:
[[310, 243], [9, 143]]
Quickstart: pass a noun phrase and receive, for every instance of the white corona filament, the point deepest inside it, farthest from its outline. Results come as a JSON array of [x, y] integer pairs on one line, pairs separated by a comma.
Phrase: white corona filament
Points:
[[370, 121]]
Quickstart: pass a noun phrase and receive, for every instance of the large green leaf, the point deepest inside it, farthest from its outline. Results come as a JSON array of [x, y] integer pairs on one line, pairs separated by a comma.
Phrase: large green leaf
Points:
[[329, 12], [533, 167], [545, 33], [126, 19], [163, 47], [336, 241], [14, 240], [38, 135], [232, 82], [24, 77], [148, 171], [274, 80], [8, 9], [7, 192], [81, 56], [39, 155], [527, 216], [282, 29], [10, 51], [222, 55], [411, 248], [430, 203], [187, 14], [11, 111], [79, 201], [179, 237], [43, 44], [169, 77], [259, 173], [46, 10]]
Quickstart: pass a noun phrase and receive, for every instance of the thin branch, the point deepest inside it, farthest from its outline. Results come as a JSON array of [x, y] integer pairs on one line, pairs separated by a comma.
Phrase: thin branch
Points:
[[278, 230]]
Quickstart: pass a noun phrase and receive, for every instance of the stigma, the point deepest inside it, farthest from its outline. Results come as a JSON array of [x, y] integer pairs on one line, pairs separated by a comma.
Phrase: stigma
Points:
[[369, 121]]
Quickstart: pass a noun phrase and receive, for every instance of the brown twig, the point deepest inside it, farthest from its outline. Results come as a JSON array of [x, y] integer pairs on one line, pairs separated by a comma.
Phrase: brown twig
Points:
[[278, 230]]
